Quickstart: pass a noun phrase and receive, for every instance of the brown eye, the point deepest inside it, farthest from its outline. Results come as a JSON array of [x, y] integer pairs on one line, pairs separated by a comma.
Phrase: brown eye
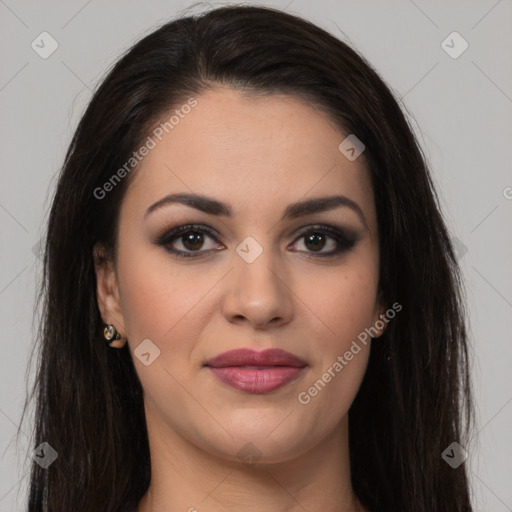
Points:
[[193, 240], [321, 237], [190, 241], [315, 241]]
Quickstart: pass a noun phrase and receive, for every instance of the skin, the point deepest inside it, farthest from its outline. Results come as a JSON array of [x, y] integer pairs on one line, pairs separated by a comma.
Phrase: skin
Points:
[[258, 154]]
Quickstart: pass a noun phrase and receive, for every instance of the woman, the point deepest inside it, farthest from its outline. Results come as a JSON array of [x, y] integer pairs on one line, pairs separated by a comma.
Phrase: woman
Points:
[[251, 297]]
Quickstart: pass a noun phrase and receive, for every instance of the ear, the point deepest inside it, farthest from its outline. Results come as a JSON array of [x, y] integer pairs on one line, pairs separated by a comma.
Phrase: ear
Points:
[[107, 293]]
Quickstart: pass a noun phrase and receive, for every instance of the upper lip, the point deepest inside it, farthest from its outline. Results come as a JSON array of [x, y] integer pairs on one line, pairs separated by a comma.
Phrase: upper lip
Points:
[[249, 357]]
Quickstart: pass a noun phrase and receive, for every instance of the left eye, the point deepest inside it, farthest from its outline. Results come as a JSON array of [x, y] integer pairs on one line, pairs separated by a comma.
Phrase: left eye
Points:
[[315, 241], [317, 238]]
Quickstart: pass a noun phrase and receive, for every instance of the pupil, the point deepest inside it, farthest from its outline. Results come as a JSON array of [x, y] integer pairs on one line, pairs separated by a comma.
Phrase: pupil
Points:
[[193, 240], [313, 241]]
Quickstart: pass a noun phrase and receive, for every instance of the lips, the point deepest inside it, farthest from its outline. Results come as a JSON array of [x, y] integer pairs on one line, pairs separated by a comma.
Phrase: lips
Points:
[[256, 372], [248, 357]]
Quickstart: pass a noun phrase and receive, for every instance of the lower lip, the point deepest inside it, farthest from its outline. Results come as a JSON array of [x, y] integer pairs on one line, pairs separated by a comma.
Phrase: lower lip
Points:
[[253, 380]]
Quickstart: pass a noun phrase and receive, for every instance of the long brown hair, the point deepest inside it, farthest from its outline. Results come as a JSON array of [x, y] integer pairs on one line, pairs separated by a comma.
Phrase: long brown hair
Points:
[[415, 399]]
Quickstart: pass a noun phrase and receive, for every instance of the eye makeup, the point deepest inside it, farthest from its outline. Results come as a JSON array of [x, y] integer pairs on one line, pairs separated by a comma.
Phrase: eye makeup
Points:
[[192, 235]]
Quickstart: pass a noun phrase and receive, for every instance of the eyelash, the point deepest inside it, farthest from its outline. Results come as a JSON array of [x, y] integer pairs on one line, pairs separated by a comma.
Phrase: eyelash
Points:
[[345, 242]]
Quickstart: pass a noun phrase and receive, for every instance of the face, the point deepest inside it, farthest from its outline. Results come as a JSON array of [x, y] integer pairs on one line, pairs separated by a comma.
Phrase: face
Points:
[[252, 272]]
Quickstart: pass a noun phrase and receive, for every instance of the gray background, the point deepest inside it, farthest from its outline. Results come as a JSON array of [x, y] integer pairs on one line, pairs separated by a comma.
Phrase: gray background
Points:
[[460, 108]]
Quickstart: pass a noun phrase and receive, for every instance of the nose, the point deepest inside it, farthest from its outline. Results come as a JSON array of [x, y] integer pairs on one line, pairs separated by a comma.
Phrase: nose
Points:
[[258, 294]]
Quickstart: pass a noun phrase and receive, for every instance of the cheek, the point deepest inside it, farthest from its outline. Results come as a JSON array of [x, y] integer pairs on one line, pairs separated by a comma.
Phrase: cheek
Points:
[[336, 376], [344, 306], [343, 301], [159, 303], [147, 300], [155, 295]]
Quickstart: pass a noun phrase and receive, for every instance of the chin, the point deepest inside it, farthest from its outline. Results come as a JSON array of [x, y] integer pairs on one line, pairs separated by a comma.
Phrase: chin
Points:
[[264, 443]]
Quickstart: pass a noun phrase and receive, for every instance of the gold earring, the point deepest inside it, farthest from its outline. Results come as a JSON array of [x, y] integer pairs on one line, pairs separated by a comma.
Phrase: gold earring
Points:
[[110, 333]]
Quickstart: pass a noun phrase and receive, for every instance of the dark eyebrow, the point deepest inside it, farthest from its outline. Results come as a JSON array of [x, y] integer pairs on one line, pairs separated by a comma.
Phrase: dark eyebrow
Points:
[[203, 203], [321, 204], [292, 211]]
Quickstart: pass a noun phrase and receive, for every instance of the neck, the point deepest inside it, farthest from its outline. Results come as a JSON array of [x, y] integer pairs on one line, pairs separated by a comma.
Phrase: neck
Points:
[[187, 478]]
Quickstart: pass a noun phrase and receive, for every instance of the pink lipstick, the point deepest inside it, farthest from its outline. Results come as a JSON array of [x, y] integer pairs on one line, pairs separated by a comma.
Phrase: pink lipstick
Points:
[[256, 372]]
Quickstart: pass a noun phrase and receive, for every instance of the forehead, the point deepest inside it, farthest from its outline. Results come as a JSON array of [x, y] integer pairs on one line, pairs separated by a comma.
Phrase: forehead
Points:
[[252, 152]]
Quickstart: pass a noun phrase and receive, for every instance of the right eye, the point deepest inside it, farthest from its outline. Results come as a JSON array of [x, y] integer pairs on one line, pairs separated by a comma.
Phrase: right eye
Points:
[[191, 237]]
